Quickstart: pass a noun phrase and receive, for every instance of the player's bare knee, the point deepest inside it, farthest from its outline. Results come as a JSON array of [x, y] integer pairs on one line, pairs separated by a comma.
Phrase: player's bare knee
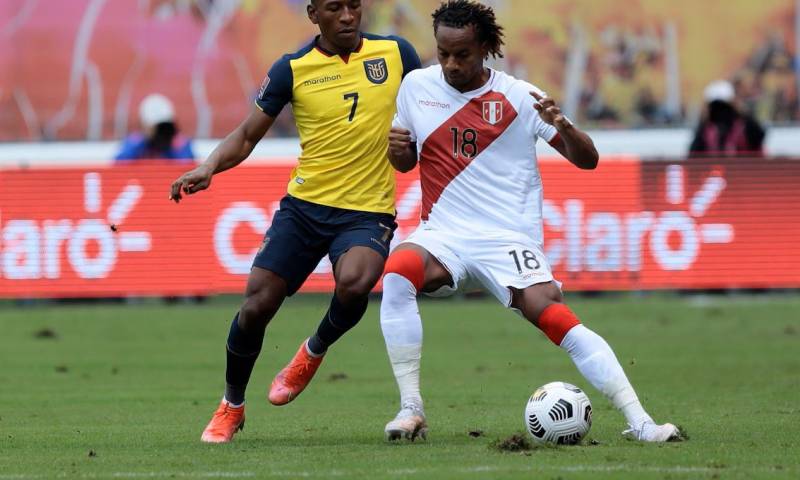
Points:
[[532, 301], [352, 287], [258, 310]]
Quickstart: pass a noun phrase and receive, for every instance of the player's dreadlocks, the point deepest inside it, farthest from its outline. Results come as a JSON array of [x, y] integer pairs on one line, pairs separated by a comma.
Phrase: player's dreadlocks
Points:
[[460, 13]]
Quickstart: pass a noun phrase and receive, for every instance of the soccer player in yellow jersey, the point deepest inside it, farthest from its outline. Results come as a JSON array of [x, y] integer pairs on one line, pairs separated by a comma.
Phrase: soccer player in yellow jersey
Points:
[[340, 200]]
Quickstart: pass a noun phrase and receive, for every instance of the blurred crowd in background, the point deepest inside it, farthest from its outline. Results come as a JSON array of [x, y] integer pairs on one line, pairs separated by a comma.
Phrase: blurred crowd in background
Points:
[[79, 69]]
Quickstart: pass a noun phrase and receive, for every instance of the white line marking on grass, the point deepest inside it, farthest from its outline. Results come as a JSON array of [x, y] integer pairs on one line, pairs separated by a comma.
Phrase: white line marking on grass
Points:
[[613, 468], [23, 476], [409, 471], [478, 469]]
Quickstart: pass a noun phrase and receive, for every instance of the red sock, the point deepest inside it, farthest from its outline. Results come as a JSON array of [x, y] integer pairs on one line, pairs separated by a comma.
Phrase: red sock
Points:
[[409, 264], [556, 320]]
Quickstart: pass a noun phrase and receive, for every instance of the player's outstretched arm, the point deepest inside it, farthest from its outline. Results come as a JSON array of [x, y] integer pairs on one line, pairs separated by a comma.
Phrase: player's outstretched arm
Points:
[[573, 144], [402, 151], [230, 152]]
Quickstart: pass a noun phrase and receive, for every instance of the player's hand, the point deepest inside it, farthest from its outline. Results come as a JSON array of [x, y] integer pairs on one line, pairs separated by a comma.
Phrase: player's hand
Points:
[[399, 141], [549, 112], [191, 182]]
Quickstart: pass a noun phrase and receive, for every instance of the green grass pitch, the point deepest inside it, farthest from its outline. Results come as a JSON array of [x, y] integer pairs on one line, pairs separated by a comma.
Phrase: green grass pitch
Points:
[[124, 391]]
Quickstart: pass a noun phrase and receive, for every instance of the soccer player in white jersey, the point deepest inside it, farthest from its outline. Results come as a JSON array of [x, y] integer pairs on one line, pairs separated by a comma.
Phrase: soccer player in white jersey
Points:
[[473, 132]]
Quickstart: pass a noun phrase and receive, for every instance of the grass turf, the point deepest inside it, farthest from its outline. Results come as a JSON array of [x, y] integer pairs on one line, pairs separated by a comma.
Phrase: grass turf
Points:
[[124, 391]]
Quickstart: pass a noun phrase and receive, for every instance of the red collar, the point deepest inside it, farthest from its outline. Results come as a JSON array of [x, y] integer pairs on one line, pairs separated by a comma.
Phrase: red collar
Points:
[[345, 58]]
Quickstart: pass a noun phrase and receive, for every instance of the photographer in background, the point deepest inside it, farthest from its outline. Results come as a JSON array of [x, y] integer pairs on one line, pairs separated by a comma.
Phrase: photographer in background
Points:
[[160, 138], [724, 130]]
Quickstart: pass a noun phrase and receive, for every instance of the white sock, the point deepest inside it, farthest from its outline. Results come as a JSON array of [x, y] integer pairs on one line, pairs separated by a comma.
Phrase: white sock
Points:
[[402, 331], [598, 364], [232, 405]]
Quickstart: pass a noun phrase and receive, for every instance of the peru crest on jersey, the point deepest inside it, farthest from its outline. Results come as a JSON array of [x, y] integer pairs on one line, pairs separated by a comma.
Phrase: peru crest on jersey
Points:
[[493, 112]]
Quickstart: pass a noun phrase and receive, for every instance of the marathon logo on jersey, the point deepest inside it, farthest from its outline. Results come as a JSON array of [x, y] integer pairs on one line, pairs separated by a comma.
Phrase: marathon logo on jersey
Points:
[[376, 70], [434, 104], [492, 112], [323, 79]]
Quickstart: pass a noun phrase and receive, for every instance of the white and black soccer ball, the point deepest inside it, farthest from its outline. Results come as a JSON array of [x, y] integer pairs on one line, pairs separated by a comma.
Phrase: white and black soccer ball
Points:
[[558, 413]]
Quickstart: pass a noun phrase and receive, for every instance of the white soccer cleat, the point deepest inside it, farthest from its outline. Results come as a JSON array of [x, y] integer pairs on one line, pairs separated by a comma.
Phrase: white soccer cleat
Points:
[[651, 432], [409, 424]]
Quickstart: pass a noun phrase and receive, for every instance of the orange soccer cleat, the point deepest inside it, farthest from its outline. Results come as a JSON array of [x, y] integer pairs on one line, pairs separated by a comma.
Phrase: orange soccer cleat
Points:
[[292, 380], [226, 421]]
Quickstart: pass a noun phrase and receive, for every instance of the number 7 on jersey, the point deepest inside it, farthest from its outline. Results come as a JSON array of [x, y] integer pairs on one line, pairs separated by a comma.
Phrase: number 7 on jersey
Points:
[[354, 96]]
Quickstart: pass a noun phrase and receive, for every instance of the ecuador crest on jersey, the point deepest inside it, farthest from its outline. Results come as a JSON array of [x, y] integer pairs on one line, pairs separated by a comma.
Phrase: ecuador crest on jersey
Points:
[[377, 71]]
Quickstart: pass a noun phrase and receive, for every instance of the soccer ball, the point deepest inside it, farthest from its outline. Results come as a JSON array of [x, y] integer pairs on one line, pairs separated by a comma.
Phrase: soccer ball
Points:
[[558, 413]]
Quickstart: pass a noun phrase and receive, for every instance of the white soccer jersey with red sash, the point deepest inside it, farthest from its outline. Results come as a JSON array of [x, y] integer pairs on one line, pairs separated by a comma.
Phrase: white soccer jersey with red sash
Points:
[[477, 152]]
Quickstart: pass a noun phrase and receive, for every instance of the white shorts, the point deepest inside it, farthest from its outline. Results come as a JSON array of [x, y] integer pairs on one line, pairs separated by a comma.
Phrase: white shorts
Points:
[[495, 261]]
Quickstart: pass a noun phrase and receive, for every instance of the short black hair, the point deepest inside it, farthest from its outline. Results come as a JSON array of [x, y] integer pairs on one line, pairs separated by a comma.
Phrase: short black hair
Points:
[[461, 13]]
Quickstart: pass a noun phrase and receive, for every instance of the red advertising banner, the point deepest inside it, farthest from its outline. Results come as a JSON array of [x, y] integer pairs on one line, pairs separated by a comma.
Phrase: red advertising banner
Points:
[[626, 225]]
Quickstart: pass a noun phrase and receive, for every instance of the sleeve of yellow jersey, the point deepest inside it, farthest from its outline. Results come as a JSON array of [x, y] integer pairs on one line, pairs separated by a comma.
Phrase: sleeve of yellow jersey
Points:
[[408, 55], [276, 89]]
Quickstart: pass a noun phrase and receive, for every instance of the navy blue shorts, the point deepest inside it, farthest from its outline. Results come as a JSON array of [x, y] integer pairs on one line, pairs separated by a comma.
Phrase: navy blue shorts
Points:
[[303, 232]]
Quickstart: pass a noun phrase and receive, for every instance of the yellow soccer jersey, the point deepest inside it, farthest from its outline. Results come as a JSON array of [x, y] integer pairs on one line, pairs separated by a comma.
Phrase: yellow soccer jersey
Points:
[[343, 107]]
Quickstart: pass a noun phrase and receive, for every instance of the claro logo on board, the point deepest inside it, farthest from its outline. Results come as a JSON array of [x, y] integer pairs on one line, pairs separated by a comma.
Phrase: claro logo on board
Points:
[[33, 249], [615, 242]]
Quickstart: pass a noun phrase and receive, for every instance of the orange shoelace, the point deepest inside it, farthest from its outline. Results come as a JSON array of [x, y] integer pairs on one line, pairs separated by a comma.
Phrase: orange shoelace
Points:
[[299, 369]]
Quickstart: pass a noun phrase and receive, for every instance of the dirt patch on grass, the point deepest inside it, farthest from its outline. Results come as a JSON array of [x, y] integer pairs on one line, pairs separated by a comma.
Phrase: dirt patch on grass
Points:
[[683, 435], [45, 333], [518, 442]]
